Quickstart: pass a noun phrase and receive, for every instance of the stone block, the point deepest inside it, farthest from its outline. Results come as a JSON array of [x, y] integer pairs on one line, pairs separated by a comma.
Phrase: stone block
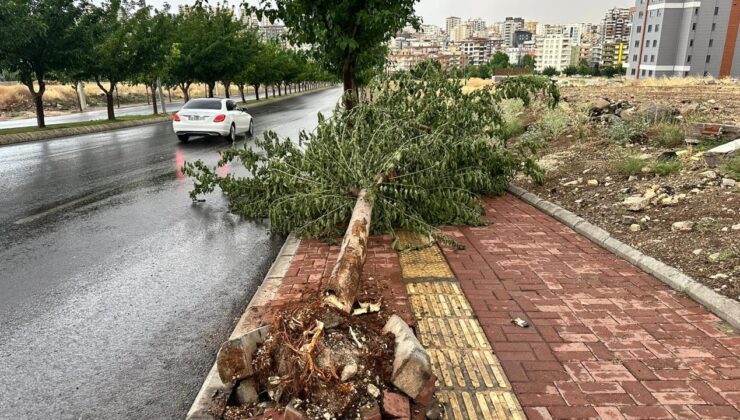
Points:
[[411, 364], [396, 406], [234, 359]]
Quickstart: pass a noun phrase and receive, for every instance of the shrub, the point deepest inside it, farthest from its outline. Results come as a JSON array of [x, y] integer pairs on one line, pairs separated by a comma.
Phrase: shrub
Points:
[[511, 109], [629, 165], [626, 130], [670, 135], [731, 169], [667, 168], [554, 123]]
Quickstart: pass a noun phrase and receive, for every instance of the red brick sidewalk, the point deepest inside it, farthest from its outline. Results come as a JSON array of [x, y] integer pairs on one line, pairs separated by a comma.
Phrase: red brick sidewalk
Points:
[[606, 340]]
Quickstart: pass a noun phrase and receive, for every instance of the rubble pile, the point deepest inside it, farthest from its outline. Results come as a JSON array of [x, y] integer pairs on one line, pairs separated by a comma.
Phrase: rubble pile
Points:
[[317, 362]]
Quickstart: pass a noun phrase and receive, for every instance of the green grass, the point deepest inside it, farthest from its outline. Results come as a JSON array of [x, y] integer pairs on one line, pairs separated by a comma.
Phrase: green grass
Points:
[[667, 168], [20, 130], [629, 165], [731, 169], [669, 135]]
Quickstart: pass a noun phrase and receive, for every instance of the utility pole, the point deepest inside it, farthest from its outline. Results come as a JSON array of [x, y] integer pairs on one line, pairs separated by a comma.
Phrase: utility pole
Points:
[[161, 96]]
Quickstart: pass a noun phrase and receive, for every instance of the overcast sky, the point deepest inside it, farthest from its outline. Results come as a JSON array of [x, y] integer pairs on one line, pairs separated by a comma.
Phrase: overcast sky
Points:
[[549, 11]]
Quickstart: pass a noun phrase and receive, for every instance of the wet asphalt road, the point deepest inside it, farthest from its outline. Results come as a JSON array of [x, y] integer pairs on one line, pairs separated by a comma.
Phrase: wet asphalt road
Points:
[[116, 290]]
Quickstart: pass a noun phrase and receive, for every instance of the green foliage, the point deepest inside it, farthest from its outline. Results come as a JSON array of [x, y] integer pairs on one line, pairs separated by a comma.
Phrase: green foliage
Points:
[[570, 71], [629, 165], [421, 68], [610, 72], [348, 36], [626, 130], [511, 110], [38, 38], [422, 149], [669, 135], [554, 123], [667, 168], [528, 62], [731, 168], [500, 60], [529, 86], [550, 71]]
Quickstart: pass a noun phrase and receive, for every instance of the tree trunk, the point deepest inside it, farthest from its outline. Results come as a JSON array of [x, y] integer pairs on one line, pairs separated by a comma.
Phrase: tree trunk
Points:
[[227, 89], [169, 94], [267, 94], [241, 92], [211, 86], [256, 92], [154, 97], [38, 100], [346, 279], [280, 92], [109, 105], [185, 88], [273, 91]]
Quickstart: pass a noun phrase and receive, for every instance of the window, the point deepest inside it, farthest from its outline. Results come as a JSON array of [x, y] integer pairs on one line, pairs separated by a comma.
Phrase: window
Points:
[[655, 43], [685, 74], [711, 42], [643, 72], [650, 28], [693, 26], [637, 44], [714, 26], [634, 57], [634, 72], [716, 11], [650, 73], [652, 58], [657, 28], [639, 29], [709, 58], [645, 58], [688, 59], [642, 14], [696, 11], [691, 43]]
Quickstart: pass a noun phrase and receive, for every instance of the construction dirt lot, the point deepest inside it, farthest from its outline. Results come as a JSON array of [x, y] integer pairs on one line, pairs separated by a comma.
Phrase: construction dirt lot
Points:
[[688, 213]]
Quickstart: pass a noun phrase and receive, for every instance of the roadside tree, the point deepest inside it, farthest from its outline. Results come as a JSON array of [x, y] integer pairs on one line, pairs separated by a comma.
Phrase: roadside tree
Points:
[[38, 37]]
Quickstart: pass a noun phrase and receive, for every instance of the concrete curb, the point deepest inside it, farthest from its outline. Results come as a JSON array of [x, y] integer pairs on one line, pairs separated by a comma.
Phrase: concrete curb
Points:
[[6, 139], [723, 307], [212, 386]]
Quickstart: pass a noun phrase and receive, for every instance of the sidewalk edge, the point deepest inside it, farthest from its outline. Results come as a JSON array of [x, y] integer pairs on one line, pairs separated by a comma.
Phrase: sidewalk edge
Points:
[[200, 410], [723, 307]]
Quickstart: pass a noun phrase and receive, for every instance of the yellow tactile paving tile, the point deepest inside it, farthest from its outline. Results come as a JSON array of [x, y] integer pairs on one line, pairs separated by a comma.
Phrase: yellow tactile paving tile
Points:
[[483, 405], [471, 382], [424, 263]]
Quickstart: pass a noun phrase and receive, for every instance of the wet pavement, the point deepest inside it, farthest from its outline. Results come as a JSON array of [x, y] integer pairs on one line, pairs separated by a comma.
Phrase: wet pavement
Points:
[[116, 290]]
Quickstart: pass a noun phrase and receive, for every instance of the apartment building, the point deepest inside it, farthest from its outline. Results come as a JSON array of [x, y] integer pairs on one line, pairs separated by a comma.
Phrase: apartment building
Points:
[[556, 51], [508, 27], [451, 23], [477, 51], [685, 38]]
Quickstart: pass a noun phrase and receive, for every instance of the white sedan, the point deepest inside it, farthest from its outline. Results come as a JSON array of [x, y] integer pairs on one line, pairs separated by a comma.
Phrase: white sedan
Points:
[[212, 117]]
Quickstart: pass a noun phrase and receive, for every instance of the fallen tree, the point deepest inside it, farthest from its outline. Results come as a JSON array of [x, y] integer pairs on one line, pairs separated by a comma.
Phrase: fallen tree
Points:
[[419, 155]]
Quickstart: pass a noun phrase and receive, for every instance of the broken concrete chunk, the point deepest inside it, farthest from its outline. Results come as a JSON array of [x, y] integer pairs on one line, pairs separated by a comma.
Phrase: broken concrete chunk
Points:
[[246, 392], [719, 154], [234, 359], [349, 372], [636, 203], [293, 411], [396, 406], [411, 364], [685, 226]]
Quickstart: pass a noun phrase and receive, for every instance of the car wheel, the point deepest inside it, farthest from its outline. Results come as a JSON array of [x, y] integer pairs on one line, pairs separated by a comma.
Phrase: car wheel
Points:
[[183, 138], [232, 134], [251, 129]]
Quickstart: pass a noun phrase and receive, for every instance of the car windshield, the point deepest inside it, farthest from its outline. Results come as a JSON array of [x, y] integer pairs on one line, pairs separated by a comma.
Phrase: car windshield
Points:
[[203, 104]]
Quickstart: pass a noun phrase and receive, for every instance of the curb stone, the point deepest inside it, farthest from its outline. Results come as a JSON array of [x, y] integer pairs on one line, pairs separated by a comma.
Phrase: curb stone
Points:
[[725, 308], [212, 386], [6, 139]]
